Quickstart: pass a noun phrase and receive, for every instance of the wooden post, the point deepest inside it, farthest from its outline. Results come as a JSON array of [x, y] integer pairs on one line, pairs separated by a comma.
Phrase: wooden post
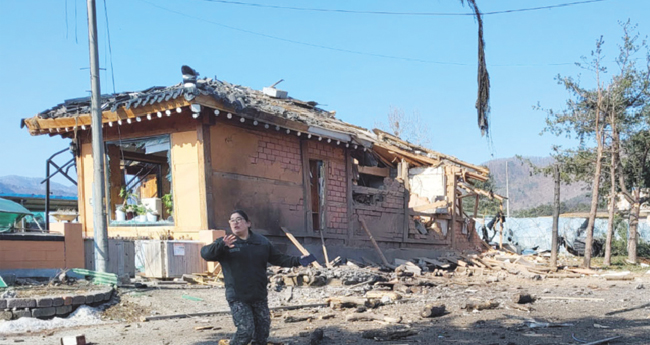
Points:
[[298, 245], [324, 173], [501, 227], [304, 152], [350, 202], [206, 199], [556, 216], [374, 243], [405, 174], [452, 194], [476, 206]]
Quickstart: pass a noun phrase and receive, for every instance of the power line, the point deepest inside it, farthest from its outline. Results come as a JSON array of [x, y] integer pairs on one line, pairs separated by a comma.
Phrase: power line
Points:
[[110, 50], [305, 43], [249, 4], [342, 50]]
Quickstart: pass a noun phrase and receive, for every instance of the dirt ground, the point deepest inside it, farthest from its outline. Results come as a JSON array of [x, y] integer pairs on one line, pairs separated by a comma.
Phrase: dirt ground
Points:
[[586, 308]]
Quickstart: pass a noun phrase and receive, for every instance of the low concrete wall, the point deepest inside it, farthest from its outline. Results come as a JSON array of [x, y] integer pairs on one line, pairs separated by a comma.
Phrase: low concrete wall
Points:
[[50, 306], [62, 248]]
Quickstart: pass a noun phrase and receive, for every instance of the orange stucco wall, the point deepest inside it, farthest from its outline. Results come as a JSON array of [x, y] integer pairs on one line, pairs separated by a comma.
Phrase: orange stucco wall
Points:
[[46, 253], [185, 186]]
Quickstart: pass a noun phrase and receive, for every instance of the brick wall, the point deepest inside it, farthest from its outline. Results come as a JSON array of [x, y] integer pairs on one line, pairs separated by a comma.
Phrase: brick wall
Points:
[[336, 198], [259, 171], [273, 147], [461, 241], [385, 217]]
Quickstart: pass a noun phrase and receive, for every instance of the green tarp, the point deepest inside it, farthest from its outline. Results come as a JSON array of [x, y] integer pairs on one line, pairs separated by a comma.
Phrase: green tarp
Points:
[[10, 212]]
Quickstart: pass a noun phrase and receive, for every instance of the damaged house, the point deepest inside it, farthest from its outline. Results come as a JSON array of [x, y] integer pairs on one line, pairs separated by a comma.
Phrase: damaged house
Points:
[[179, 159]]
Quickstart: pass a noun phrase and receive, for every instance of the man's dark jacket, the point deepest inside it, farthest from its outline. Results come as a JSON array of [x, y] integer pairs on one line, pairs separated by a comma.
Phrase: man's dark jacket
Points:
[[244, 265]]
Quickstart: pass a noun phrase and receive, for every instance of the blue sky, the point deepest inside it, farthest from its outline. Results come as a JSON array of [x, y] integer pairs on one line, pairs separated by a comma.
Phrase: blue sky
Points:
[[44, 60]]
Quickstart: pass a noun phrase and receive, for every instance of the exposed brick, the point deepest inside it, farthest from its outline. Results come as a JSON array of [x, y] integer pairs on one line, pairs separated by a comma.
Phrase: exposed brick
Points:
[[3, 303], [21, 303], [67, 300], [90, 299], [43, 312], [57, 301], [43, 302]]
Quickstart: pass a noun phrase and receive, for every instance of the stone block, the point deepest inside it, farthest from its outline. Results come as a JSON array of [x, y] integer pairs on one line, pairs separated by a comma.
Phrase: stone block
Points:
[[20, 303], [108, 295], [98, 297], [63, 310], [57, 301], [78, 300], [17, 314], [43, 312], [5, 315], [67, 300], [3, 303], [43, 302], [90, 299]]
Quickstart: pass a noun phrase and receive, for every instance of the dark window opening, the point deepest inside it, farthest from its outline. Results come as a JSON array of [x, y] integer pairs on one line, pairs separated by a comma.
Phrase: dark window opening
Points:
[[139, 181], [317, 187]]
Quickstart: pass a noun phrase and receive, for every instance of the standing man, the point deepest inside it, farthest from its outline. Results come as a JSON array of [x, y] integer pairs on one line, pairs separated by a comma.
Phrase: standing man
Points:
[[243, 256]]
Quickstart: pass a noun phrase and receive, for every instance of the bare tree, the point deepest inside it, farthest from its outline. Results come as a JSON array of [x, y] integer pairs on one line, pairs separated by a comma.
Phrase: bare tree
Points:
[[408, 127]]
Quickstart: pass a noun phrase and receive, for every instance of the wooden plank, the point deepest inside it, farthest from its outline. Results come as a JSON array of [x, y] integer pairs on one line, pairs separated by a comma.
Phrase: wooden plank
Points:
[[374, 243], [430, 206], [375, 171], [406, 155], [227, 311], [434, 262], [298, 245]]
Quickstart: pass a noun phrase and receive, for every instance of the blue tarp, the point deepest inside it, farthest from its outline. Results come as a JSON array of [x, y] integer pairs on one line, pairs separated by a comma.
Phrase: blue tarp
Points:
[[536, 232]]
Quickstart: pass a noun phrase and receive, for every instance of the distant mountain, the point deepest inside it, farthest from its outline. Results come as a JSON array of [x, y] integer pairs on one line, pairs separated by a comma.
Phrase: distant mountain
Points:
[[32, 185], [528, 190]]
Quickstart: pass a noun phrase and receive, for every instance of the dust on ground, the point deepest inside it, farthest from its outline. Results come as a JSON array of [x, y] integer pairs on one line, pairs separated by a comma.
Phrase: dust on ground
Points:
[[566, 311]]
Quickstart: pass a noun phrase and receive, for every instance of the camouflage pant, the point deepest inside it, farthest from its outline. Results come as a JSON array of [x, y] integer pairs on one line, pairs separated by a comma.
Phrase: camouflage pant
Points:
[[253, 321]]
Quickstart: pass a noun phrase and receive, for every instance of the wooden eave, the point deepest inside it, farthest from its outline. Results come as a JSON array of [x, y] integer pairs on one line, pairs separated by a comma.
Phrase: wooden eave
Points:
[[38, 126], [61, 125], [439, 156]]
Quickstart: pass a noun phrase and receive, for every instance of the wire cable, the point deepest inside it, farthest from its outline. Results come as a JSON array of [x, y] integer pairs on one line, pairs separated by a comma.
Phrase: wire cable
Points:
[[110, 50], [349, 51], [249, 4]]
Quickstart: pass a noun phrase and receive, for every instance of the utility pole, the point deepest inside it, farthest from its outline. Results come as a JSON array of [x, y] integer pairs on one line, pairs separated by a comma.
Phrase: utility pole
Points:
[[99, 203], [556, 216], [507, 193]]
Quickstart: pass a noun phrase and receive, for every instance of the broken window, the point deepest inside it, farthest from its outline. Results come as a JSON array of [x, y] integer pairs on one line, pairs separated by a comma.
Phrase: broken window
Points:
[[317, 174], [368, 171], [139, 181]]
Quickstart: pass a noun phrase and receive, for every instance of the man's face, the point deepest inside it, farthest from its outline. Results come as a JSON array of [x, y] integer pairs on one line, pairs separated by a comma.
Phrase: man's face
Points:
[[239, 225]]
